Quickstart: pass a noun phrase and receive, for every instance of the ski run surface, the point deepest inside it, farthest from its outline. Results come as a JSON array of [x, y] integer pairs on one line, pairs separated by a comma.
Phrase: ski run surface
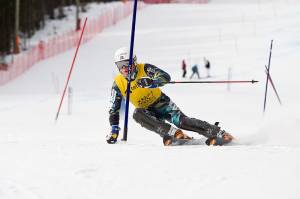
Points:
[[70, 159]]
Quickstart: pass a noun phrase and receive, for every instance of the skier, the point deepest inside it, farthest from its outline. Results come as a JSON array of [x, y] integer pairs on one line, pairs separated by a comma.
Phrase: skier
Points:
[[153, 107]]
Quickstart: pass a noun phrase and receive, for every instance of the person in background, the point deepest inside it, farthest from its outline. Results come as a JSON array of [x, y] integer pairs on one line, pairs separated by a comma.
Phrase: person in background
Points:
[[183, 68], [195, 71], [207, 66]]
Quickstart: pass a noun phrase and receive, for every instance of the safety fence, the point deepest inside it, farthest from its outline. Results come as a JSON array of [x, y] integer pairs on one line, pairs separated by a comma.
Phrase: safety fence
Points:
[[61, 43]]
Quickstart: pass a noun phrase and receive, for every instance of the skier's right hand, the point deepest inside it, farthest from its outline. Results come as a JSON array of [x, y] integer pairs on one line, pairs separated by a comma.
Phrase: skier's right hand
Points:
[[113, 136]]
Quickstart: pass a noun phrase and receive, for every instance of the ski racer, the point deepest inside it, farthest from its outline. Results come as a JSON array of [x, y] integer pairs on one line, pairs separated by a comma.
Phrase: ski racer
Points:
[[153, 107]]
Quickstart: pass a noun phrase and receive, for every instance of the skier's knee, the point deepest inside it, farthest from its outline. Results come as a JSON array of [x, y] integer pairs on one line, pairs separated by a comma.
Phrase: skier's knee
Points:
[[175, 119], [138, 113], [149, 121]]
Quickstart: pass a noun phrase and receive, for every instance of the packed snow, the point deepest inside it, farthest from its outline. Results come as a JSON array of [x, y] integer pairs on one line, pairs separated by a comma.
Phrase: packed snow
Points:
[[41, 158]]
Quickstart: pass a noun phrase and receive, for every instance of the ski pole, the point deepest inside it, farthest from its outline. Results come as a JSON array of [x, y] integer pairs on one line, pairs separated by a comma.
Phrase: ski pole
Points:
[[271, 81], [70, 72], [129, 72], [268, 72], [213, 82]]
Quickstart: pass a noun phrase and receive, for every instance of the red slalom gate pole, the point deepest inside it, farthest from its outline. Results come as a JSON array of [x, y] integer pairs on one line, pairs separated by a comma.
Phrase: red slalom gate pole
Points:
[[273, 85], [70, 72], [268, 72]]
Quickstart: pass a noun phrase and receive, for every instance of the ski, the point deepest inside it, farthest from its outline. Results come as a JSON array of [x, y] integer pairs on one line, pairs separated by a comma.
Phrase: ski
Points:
[[179, 142], [194, 141]]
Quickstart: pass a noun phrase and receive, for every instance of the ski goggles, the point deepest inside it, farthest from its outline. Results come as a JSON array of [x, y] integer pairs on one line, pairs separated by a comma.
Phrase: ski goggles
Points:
[[122, 64]]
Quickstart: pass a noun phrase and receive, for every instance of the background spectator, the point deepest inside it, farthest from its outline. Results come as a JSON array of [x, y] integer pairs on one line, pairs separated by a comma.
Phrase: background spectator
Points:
[[195, 71], [207, 66], [183, 68]]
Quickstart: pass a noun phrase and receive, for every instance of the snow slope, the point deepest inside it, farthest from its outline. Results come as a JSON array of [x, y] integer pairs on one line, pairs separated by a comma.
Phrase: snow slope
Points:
[[41, 158]]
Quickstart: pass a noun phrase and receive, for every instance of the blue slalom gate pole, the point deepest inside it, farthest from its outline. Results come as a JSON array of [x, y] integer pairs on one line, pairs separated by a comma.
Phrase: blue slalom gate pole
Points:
[[268, 72], [129, 72]]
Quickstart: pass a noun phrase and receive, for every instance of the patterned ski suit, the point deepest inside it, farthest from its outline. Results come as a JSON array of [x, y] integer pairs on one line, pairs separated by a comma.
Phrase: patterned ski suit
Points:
[[153, 107]]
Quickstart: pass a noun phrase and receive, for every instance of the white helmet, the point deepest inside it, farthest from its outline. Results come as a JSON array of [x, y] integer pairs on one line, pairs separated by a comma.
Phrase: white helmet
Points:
[[122, 54]]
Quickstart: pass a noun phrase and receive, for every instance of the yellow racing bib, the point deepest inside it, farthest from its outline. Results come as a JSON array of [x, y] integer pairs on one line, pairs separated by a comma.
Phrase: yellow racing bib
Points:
[[139, 97]]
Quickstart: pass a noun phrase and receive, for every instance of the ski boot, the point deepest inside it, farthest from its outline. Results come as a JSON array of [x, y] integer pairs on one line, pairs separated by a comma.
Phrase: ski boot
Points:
[[168, 139], [220, 139]]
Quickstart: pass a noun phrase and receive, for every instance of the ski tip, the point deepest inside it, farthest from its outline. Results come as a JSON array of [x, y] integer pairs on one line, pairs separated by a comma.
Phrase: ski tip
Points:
[[254, 81]]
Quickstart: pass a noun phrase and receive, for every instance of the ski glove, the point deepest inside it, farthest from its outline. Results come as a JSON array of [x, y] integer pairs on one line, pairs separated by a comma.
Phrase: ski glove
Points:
[[147, 82], [113, 136]]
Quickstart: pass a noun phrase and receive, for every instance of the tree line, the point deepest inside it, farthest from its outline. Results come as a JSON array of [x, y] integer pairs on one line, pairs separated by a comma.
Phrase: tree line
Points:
[[22, 18]]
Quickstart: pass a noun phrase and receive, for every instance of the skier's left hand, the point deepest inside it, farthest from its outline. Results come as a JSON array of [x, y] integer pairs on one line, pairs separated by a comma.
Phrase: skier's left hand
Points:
[[147, 82], [113, 136]]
